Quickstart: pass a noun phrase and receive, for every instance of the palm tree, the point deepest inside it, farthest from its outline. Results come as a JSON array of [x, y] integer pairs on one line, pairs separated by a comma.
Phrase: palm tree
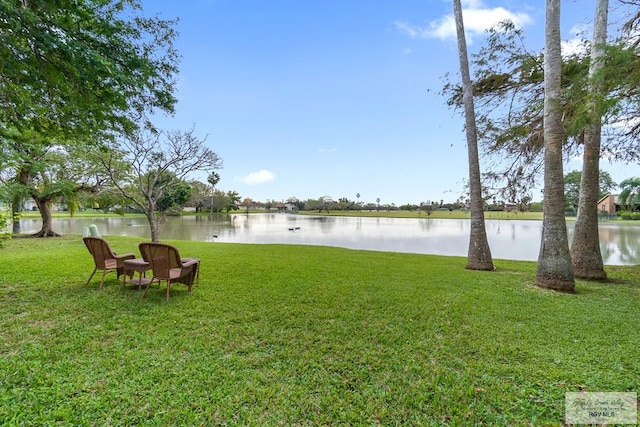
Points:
[[213, 179], [479, 254], [630, 194], [585, 248], [554, 269]]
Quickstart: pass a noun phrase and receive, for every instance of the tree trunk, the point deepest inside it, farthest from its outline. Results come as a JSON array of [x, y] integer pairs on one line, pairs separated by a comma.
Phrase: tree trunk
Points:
[[44, 205], [554, 270], [479, 254], [15, 215], [585, 248], [153, 225]]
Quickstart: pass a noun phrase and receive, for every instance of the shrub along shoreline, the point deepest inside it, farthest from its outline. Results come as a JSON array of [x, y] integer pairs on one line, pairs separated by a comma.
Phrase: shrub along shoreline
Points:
[[284, 334]]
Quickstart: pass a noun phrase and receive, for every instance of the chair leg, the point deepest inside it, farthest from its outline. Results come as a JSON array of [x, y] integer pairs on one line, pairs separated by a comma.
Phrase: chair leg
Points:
[[168, 288], [192, 278], [90, 277], [149, 285], [104, 273]]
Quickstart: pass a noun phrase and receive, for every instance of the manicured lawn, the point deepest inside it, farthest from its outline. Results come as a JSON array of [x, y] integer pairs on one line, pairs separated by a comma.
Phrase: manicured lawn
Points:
[[296, 335]]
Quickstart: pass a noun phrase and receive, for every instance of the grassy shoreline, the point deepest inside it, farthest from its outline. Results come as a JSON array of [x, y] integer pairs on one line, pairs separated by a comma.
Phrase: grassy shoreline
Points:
[[490, 215], [381, 214], [284, 334]]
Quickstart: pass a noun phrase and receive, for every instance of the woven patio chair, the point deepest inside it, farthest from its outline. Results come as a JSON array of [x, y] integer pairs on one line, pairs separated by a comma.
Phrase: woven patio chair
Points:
[[167, 265], [104, 258]]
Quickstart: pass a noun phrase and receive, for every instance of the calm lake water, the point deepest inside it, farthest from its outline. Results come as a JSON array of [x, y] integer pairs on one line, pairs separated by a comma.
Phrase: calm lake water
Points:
[[509, 239]]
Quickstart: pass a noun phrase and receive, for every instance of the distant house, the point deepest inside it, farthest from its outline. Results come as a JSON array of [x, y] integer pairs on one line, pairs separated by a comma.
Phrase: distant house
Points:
[[609, 204], [283, 207], [30, 205]]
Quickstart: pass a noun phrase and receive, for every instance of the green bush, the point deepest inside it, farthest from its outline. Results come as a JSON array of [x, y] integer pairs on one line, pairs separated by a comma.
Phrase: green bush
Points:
[[5, 232], [629, 215], [625, 215], [174, 210]]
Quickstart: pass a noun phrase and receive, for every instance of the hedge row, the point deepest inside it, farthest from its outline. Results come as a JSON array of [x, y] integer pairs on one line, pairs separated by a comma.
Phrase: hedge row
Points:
[[629, 215]]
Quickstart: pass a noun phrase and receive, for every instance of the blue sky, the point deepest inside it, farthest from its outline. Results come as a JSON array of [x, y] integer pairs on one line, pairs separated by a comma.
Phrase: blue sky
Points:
[[312, 98]]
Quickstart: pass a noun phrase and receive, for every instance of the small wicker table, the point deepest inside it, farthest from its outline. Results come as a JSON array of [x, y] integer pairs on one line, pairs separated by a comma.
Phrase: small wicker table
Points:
[[136, 265]]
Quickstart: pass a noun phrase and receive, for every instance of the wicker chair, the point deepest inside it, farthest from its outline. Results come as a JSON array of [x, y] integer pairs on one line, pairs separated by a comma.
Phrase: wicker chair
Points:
[[167, 265], [104, 258]]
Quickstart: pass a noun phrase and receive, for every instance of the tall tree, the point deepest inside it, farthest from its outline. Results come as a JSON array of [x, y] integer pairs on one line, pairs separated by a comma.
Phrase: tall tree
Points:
[[585, 247], [213, 179], [76, 67], [626, 64], [572, 187], [176, 197], [630, 194], [233, 201], [479, 254], [48, 173], [146, 165], [554, 269], [75, 71], [509, 93], [200, 196]]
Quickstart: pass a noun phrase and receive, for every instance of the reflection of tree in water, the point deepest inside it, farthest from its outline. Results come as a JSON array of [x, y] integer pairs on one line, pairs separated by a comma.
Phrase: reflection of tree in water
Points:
[[426, 224], [608, 252], [608, 249], [198, 227], [268, 218], [220, 224], [243, 221], [325, 223], [291, 220], [618, 244], [626, 239], [224, 223]]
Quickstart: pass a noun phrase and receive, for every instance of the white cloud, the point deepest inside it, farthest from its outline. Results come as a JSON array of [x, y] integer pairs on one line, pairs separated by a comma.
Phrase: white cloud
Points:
[[576, 45], [573, 47], [477, 19], [259, 177]]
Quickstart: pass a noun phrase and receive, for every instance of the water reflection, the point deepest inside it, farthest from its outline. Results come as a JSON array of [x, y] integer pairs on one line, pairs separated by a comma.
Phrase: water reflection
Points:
[[512, 239]]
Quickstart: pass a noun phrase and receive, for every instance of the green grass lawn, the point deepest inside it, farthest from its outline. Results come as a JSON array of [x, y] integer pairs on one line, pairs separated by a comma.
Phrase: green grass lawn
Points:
[[303, 335]]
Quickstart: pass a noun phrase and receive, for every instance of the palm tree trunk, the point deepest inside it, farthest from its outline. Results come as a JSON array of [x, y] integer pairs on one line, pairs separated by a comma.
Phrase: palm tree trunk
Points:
[[585, 248], [554, 270], [479, 254]]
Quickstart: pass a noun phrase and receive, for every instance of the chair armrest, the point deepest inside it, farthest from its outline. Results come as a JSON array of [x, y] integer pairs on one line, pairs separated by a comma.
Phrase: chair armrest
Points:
[[188, 262]]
